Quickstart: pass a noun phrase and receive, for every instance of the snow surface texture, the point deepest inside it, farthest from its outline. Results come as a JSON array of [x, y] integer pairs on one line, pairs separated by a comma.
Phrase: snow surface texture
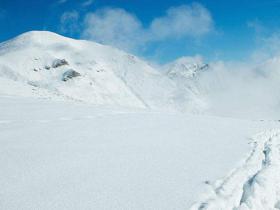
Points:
[[122, 144], [58, 155], [255, 184], [39, 62]]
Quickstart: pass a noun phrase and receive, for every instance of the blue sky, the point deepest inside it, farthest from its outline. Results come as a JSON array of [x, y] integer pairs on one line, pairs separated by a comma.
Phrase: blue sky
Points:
[[216, 29]]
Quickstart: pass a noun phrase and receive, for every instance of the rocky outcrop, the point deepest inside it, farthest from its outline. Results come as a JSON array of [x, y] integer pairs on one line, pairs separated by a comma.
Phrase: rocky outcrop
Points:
[[70, 74], [59, 62]]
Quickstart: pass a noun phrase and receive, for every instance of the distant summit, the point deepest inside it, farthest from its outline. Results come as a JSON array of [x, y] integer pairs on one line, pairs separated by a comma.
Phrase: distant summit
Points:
[[186, 67], [45, 64]]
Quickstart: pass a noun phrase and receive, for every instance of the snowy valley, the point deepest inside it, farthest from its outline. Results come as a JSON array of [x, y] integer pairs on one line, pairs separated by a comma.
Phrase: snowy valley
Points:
[[88, 126]]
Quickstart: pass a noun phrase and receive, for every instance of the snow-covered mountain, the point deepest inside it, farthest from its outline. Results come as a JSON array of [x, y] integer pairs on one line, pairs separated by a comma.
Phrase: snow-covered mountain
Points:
[[49, 65], [186, 68], [185, 73], [58, 155]]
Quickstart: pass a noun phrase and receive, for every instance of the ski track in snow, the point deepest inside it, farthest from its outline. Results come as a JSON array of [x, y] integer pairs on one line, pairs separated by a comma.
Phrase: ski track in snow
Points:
[[254, 185]]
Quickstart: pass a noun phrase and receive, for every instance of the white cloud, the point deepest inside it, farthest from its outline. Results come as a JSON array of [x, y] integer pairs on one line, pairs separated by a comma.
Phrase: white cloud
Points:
[[267, 41], [242, 89], [69, 22], [117, 27], [114, 27], [179, 22], [249, 88], [83, 3], [87, 3], [267, 47]]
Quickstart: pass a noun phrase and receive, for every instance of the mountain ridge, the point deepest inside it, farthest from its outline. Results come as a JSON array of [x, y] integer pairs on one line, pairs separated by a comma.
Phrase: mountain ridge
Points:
[[100, 74]]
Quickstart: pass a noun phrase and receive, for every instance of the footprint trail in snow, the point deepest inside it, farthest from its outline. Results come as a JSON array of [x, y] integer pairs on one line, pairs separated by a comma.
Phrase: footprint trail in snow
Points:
[[255, 184]]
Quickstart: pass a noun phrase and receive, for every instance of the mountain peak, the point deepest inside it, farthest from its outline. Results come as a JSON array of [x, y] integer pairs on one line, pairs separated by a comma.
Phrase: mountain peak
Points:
[[40, 35], [45, 63], [187, 67]]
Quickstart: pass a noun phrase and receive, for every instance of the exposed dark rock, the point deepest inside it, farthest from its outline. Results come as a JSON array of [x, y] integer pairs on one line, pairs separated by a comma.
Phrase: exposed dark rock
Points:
[[70, 74], [59, 62], [47, 67], [207, 182], [32, 83], [100, 70], [204, 67]]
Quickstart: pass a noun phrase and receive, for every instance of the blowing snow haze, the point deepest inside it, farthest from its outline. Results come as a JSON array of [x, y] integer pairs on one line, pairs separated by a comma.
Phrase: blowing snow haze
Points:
[[139, 105], [46, 65]]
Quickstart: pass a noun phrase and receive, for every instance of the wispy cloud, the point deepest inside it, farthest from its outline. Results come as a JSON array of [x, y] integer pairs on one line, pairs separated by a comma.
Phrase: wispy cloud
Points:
[[268, 46], [118, 27], [187, 20], [87, 3], [256, 25], [267, 41], [69, 22], [242, 89], [61, 1], [246, 87], [114, 27]]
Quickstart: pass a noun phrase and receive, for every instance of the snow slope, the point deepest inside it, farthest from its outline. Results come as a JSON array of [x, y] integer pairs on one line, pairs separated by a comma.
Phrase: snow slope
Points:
[[36, 64], [185, 67], [253, 185], [120, 145], [38, 61], [58, 155], [185, 73]]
